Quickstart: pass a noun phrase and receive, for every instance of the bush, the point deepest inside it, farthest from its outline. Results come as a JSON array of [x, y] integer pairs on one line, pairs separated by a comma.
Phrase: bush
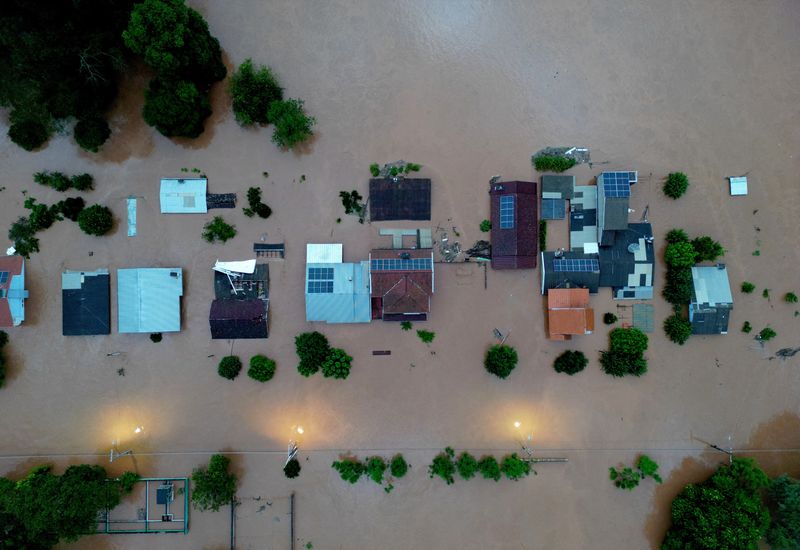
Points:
[[552, 163], [466, 465], [489, 468], [628, 340], [443, 466], [229, 367], [426, 336], [609, 318], [375, 169], [678, 288], [82, 182], [624, 478], [542, 234], [767, 334], [747, 327], [156, 337], [486, 226], [91, 133], [352, 202], [312, 348], [677, 236], [374, 468], [336, 364], [255, 204], [95, 220], [398, 467], [292, 468], [707, 249], [406, 325], [514, 467], [748, 287], [175, 108], [42, 216], [570, 362], [28, 134], [680, 255], [625, 355], [500, 360], [765, 293], [676, 185], [790, 298], [261, 368], [648, 468], [22, 234], [292, 125], [784, 498], [350, 469], [218, 230], [252, 91], [215, 486], [57, 180], [677, 328]]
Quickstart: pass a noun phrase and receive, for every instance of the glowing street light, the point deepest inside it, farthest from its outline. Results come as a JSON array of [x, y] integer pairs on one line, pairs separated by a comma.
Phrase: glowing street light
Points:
[[293, 449], [517, 424], [114, 453]]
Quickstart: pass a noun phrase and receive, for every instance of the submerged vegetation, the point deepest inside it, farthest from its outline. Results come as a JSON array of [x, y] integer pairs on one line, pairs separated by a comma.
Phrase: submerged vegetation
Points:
[[445, 466], [552, 163], [676, 185], [218, 230], [626, 353]]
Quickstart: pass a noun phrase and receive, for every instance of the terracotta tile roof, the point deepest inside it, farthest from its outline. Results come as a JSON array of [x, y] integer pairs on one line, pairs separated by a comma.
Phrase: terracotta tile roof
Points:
[[403, 291], [568, 314], [567, 297]]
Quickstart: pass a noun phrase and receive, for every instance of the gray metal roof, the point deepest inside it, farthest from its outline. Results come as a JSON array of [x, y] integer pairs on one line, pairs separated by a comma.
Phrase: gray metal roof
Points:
[[149, 299], [711, 286], [558, 187]]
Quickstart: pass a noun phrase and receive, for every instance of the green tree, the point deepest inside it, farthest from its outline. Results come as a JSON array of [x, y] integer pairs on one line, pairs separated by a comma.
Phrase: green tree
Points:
[[406, 325], [609, 318], [631, 341], [229, 367], [91, 133], [42, 216], [466, 465], [426, 336], [175, 108], [748, 287], [767, 334], [218, 230], [28, 134], [680, 255], [253, 90], [336, 364], [374, 468], [570, 362], [486, 226], [707, 249], [784, 499], [678, 288], [22, 234], [489, 468], [443, 466], [677, 328], [350, 469], [676, 185], [500, 360], [214, 486], [514, 468], [255, 206], [292, 468], [625, 355], [398, 466], [624, 478], [677, 236], [790, 298], [292, 125], [747, 328], [648, 468], [312, 348], [262, 368], [95, 220], [725, 511]]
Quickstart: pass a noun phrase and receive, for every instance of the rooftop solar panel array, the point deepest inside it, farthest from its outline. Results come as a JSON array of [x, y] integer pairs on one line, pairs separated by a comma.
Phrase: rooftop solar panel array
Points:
[[320, 280], [572, 264], [3, 277], [618, 184], [398, 264], [506, 211], [553, 209]]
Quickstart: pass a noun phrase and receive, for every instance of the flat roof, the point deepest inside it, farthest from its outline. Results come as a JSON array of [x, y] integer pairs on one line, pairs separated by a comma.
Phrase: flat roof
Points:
[[86, 302], [324, 253], [711, 285], [407, 199], [184, 196], [149, 299], [558, 187]]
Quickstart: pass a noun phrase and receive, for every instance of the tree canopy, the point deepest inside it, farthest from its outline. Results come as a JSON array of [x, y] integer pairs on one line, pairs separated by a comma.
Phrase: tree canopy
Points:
[[500, 360], [214, 486], [253, 90], [784, 499]]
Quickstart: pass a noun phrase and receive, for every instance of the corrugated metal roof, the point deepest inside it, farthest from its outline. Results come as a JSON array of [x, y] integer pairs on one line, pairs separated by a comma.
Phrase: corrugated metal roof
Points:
[[184, 196], [85, 299], [350, 300], [324, 253], [149, 299], [711, 285], [12, 304]]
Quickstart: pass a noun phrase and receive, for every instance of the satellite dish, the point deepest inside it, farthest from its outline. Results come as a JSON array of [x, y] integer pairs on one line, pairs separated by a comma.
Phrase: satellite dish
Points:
[[633, 247]]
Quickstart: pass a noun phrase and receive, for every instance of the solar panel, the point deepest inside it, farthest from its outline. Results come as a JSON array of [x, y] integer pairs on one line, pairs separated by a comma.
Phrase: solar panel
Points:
[[398, 264], [572, 264], [618, 184], [553, 209], [320, 273], [3, 277], [320, 287], [506, 211]]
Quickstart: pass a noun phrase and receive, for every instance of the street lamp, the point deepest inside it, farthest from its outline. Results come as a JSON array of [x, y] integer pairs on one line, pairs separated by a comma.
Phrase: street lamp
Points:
[[114, 453], [293, 449], [529, 452]]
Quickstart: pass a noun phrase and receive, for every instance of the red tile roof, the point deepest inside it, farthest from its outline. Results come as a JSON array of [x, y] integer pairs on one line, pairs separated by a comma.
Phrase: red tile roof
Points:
[[567, 312], [406, 291]]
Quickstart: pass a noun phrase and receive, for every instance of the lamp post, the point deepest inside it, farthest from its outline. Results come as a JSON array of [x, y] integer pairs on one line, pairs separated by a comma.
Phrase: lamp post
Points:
[[529, 451], [114, 453], [293, 449]]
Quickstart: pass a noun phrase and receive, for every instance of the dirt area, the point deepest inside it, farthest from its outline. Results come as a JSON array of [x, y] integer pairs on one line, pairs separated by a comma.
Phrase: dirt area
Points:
[[707, 88]]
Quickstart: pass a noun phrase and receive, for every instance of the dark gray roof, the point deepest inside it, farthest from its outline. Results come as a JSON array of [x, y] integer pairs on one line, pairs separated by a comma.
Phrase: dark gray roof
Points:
[[616, 214], [408, 199], [564, 186], [571, 279], [231, 319], [710, 320], [87, 309], [617, 262]]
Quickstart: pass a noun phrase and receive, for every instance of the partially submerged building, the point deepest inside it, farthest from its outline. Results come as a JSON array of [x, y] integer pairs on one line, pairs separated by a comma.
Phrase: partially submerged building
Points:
[[404, 199], [402, 283], [241, 307], [515, 224], [336, 292], [149, 299], [626, 262], [184, 196], [566, 269], [85, 303], [12, 291], [556, 191], [568, 313], [712, 301]]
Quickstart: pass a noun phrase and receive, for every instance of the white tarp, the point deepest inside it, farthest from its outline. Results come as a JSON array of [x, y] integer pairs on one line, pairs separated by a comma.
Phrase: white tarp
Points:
[[244, 266]]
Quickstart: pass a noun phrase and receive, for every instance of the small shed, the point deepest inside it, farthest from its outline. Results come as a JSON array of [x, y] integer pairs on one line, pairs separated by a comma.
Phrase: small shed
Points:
[[233, 319], [515, 224], [12, 291], [405, 199], [85, 303], [712, 300], [184, 196], [738, 185], [149, 299]]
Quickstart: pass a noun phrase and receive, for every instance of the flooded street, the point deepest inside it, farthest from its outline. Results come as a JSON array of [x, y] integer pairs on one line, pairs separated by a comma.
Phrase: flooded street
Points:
[[711, 89]]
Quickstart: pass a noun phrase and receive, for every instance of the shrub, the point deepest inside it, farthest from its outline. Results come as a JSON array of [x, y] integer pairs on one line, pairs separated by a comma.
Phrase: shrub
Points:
[[42, 216], [398, 467], [514, 467], [628, 340], [215, 486], [680, 255], [292, 468], [292, 125], [262, 368], [624, 478], [91, 133], [56, 180], [218, 230], [156, 337], [625, 355], [748, 287], [466, 465], [443, 466], [350, 469], [648, 468], [22, 234], [677, 236], [707, 249], [374, 468], [375, 169], [552, 163], [570, 362], [95, 220], [678, 288], [677, 328], [352, 202], [790, 298], [747, 327], [609, 318], [767, 334], [336, 364], [489, 468], [406, 325], [426, 336], [542, 234], [71, 207], [28, 134], [676, 185], [175, 108], [252, 91], [765, 293], [312, 348], [229, 367], [486, 226], [500, 360], [784, 499], [82, 182], [256, 207]]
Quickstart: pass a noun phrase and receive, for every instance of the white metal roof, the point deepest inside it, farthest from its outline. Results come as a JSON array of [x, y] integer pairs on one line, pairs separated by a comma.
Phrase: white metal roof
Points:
[[183, 196], [711, 285], [738, 185], [323, 253], [244, 266]]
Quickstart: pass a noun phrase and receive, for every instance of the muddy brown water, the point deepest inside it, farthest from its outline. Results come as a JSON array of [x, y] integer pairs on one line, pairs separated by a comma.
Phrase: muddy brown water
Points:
[[467, 91]]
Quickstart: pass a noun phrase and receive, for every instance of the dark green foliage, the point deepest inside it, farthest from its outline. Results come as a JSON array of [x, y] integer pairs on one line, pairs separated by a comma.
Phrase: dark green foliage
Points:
[[486, 226], [375, 169], [127, 481], [707, 249], [262, 368], [678, 288], [175, 108], [28, 134], [3, 338], [784, 499], [628, 340], [748, 287], [374, 468], [676, 185], [252, 91], [443, 466], [542, 234], [648, 468], [680, 255], [765, 293], [82, 182], [747, 328], [624, 478], [214, 486], [790, 298], [22, 234], [677, 328], [218, 230], [350, 469], [489, 468], [336, 364], [42, 216], [352, 202], [91, 133], [552, 163], [292, 468], [229, 367], [625, 355], [620, 364], [767, 334], [398, 466], [406, 325], [292, 125], [500, 360], [156, 337], [725, 511], [466, 465], [57, 180], [677, 236], [312, 348], [95, 220], [570, 362], [514, 468], [255, 204], [609, 318], [426, 336]]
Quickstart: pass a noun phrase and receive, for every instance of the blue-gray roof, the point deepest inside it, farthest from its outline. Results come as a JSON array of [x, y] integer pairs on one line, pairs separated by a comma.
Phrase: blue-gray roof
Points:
[[341, 295], [184, 196], [711, 286], [149, 299]]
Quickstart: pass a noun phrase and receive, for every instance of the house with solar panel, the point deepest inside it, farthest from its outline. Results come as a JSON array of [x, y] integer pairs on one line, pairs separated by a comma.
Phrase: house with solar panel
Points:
[[149, 299], [240, 309], [402, 283], [404, 199], [12, 291], [712, 300], [336, 292], [515, 224], [556, 191], [85, 303]]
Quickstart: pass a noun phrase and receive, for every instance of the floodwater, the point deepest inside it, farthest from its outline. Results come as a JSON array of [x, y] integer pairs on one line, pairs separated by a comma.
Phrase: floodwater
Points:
[[468, 91]]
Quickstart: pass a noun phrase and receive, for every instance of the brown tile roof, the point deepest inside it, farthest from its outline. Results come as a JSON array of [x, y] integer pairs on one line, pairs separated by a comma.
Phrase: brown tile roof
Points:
[[516, 247], [406, 291], [567, 312]]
